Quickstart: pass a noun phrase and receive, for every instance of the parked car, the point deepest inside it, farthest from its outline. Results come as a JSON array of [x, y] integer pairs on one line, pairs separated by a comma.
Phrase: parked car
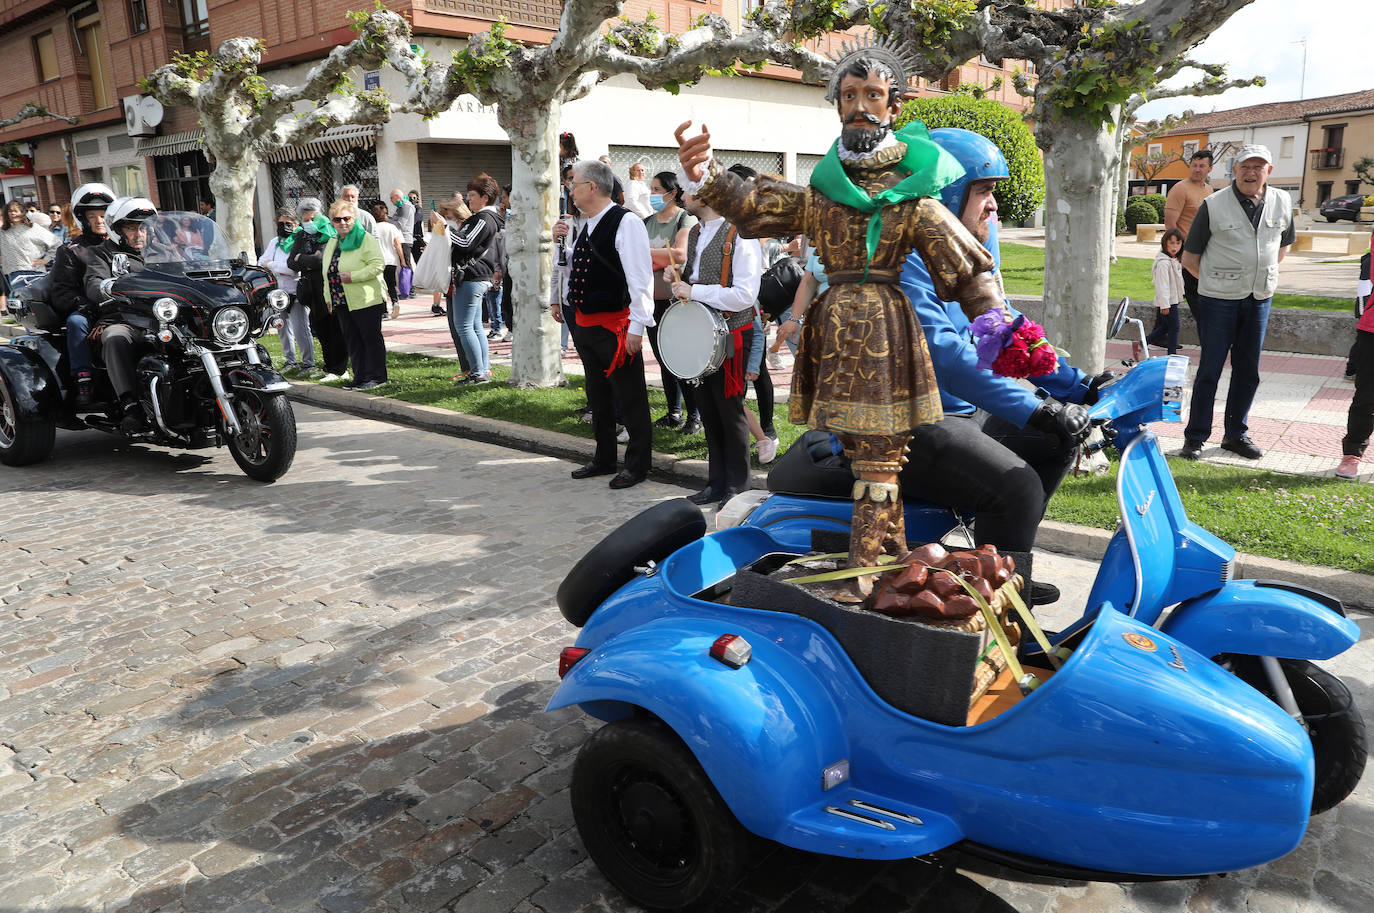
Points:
[[1346, 207]]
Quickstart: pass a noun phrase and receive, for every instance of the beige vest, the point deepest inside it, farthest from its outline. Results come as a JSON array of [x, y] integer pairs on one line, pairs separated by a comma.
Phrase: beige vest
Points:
[[1238, 260]]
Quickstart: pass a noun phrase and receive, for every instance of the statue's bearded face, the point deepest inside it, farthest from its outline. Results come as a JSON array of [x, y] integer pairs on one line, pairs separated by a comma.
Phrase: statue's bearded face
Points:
[[866, 111]]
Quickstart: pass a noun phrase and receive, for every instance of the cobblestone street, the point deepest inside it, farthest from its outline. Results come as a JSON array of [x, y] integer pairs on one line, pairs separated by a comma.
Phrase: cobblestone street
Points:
[[327, 694]]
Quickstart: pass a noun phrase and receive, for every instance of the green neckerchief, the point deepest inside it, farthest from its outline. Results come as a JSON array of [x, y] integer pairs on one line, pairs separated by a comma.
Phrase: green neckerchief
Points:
[[354, 239], [929, 169], [322, 228]]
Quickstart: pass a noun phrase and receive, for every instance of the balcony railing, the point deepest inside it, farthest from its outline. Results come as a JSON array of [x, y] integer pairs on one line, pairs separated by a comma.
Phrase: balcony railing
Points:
[[1329, 158]]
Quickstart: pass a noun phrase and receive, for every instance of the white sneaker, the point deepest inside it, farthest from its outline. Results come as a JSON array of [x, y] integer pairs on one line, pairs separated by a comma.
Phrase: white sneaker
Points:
[[768, 449], [505, 335], [774, 361], [330, 378], [622, 435]]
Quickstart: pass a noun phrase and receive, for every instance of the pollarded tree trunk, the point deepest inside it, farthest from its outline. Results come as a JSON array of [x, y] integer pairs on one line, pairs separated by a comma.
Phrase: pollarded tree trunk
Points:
[[234, 183], [533, 132], [1080, 222]]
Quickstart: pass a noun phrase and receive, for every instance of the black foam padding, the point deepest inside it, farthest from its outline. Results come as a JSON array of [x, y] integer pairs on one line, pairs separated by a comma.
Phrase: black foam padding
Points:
[[829, 541], [924, 670]]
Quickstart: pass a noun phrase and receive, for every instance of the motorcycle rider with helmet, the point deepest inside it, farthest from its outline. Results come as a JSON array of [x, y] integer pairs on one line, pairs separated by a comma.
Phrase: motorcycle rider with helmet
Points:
[[1001, 450], [129, 236], [68, 281]]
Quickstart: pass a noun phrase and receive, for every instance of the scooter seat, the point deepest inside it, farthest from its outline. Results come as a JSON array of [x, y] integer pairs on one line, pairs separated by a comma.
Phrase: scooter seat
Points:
[[810, 468]]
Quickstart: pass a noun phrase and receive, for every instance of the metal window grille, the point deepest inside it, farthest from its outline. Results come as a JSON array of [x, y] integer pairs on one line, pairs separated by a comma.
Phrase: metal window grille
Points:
[[324, 176]]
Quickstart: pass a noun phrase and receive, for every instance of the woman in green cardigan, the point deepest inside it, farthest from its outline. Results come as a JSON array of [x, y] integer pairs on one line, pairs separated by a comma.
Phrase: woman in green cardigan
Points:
[[354, 290]]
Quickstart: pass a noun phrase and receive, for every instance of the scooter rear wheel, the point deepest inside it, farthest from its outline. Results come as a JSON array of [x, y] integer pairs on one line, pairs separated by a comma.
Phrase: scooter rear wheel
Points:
[[1334, 723], [651, 819]]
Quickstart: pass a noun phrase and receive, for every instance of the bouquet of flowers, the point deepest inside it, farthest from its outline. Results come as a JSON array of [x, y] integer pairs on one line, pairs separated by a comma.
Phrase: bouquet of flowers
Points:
[[1012, 346]]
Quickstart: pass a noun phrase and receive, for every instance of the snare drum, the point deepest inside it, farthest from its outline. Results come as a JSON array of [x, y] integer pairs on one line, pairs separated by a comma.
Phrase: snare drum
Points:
[[693, 340]]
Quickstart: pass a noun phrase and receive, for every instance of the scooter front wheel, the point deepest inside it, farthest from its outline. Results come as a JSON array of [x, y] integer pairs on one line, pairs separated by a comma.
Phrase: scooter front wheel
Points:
[[651, 819], [1334, 723]]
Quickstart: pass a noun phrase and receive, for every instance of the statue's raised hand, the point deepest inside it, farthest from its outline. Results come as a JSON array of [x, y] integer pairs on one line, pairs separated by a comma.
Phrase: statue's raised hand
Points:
[[693, 152]]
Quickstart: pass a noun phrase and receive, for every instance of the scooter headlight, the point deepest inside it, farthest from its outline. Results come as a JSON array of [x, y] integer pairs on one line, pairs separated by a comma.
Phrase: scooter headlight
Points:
[[165, 310], [278, 299], [231, 325]]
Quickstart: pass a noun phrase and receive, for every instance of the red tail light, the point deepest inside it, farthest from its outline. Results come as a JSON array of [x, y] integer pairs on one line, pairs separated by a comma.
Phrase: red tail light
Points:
[[732, 650], [568, 657]]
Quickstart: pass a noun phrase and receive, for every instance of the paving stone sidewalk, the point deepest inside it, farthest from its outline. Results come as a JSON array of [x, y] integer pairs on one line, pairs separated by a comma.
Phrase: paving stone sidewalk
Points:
[[327, 693]]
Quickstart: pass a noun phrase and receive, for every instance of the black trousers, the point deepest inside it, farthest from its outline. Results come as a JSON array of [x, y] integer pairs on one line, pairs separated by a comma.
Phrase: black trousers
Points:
[[1190, 296], [323, 326], [117, 343], [727, 431], [1359, 422], [763, 389], [389, 272], [986, 466], [362, 331], [675, 391], [625, 388]]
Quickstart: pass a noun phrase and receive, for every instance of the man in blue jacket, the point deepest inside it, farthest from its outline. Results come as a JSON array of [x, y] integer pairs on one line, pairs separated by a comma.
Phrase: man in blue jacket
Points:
[[1001, 451]]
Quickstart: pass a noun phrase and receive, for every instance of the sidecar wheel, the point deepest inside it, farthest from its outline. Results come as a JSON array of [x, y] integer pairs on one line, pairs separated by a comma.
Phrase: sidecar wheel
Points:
[[650, 535], [652, 821], [1334, 724], [267, 446], [22, 440]]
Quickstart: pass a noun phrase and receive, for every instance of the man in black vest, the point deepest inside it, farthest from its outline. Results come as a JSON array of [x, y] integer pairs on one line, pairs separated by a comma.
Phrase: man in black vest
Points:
[[722, 272], [610, 288]]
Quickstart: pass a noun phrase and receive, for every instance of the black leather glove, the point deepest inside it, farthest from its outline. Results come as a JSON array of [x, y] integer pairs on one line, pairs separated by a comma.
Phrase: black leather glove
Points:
[[1065, 421], [1095, 387]]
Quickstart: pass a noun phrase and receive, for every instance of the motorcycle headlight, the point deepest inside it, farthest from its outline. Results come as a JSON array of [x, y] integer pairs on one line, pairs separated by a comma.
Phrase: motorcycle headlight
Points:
[[231, 325], [278, 299], [165, 310]]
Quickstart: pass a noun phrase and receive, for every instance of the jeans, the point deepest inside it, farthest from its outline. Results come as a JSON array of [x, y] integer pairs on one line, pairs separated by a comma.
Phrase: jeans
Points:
[[1235, 328], [465, 326], [78, 345], [1165, 332], [295, 334], [569, 315], [491, 304]]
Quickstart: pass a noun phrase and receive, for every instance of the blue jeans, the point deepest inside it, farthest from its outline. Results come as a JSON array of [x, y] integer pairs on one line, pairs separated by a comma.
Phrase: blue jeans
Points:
[[1235, 328], [491, 303], [78, 346], [465, 325]]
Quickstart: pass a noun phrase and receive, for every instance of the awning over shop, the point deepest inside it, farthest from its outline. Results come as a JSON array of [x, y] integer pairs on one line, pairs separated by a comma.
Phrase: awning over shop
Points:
[[335, 141], [172, 143]]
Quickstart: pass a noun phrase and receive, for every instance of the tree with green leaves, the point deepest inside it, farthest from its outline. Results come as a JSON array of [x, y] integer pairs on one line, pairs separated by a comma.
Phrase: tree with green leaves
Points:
[[1018, 197]]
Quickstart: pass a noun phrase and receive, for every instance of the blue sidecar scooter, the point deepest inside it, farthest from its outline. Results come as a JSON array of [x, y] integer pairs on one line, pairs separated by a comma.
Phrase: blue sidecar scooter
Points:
[[1168, 743]]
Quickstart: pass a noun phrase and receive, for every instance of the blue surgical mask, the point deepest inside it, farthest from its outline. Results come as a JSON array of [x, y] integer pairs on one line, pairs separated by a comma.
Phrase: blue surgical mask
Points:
[[657, 202]]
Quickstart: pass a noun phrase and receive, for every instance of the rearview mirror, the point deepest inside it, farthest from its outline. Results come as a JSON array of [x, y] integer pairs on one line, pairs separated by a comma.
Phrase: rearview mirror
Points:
[[1119, 318]]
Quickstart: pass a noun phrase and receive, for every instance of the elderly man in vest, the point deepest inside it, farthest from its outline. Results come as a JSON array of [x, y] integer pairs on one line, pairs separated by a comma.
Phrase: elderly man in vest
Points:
[[1234, 247], [610, 288]]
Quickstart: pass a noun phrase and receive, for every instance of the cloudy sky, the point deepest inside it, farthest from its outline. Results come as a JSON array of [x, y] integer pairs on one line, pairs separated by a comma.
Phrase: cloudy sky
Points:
[[1261, 40]]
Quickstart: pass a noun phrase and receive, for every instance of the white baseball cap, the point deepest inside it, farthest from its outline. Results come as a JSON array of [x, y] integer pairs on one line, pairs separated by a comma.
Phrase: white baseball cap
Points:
[[1254, 151]]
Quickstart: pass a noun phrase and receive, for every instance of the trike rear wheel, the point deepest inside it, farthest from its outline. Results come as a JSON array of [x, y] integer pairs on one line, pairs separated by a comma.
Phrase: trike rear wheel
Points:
[[651, 819], [22, 440], [1333, 723]]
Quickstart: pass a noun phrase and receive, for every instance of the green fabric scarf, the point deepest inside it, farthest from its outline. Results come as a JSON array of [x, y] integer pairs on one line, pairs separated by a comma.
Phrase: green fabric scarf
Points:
[[322, 228], [929, 169], [354, 239]]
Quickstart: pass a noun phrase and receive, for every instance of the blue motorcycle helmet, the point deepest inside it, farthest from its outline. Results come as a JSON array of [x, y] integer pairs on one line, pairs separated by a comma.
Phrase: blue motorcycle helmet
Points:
[[981, 158]]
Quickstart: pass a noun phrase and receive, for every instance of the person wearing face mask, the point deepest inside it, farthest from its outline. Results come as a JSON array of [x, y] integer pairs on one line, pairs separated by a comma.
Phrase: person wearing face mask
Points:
[[668, 229], [297, 345], [305, 256]]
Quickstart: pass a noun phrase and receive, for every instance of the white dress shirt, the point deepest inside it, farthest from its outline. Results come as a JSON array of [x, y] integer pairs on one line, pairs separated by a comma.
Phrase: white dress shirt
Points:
[[632, 244], [746, 267], [637, 195]]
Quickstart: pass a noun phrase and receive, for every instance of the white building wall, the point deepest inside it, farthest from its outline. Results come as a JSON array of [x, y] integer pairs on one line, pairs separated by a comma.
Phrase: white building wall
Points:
[[1288, 170]]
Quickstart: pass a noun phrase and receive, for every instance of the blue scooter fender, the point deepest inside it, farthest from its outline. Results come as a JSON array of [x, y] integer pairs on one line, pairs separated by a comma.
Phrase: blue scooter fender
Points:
[[1249, 617], [763, 732], [35, 390]]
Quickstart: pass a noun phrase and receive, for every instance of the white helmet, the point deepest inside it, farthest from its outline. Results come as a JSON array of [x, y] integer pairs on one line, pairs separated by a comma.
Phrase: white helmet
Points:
[[91, 196], [129, 209]]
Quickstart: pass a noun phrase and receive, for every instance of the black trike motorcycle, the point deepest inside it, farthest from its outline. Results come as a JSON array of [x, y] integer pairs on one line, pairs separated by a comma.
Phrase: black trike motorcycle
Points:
[[203, 379]]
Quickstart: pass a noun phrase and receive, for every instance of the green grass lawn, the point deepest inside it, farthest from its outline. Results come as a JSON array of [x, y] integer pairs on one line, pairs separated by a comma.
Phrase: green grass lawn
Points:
[[1325, 522], [1321, 521], [1023, 271]]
